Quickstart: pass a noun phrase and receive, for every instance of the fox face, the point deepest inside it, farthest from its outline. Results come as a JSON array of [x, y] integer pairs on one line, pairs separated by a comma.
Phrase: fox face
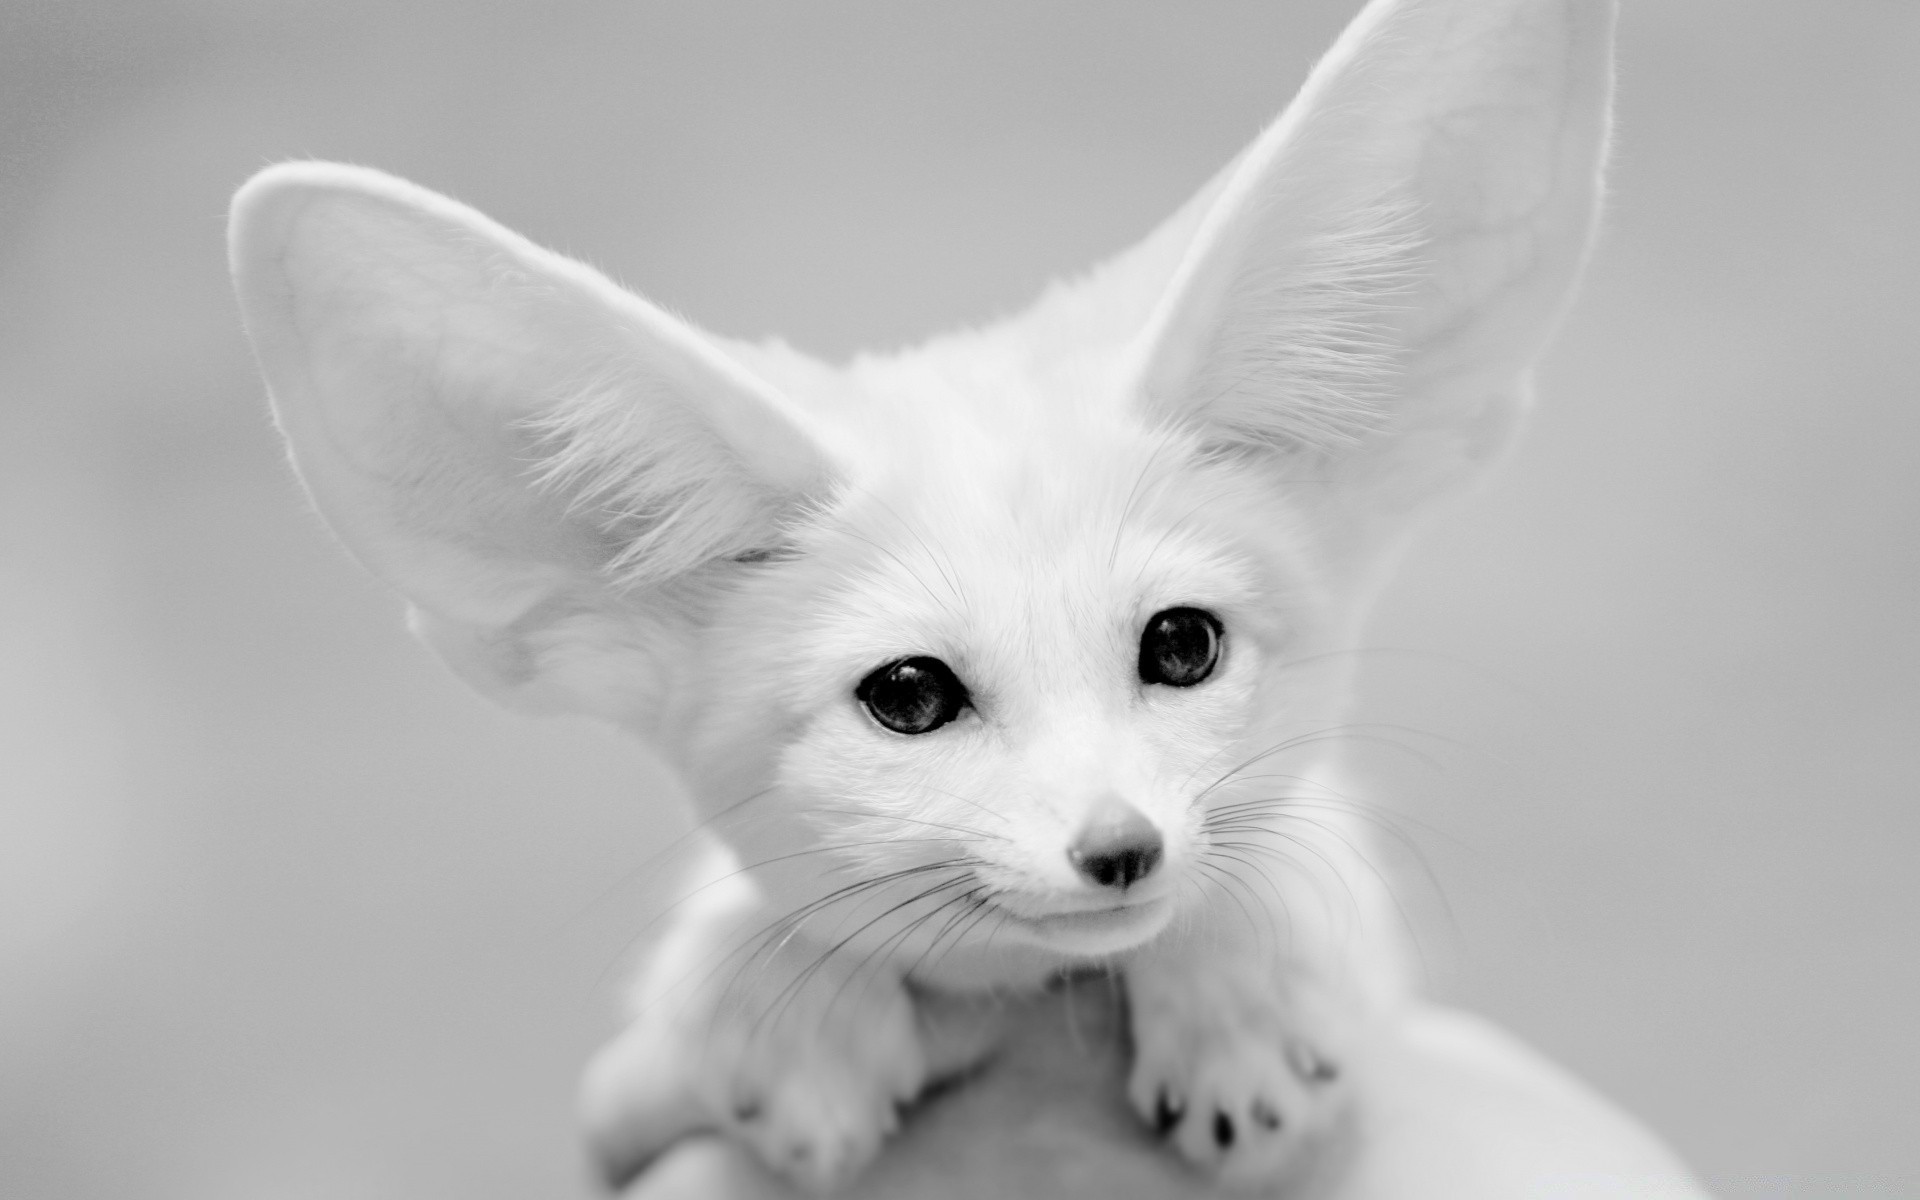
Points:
[[1025, 651], [1033, 680], [1017, 650]]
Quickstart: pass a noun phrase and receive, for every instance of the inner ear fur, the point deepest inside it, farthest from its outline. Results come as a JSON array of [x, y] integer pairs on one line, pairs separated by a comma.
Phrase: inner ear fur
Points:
[[549, 468], [1368, 287]]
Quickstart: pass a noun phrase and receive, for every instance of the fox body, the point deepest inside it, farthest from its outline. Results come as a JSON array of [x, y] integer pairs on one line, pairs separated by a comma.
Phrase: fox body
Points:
[[1014, 653]]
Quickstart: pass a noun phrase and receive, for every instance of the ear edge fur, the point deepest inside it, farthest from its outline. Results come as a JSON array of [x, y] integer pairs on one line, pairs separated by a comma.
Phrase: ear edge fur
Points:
[[511, 628], [591, 437], [1368, 269]]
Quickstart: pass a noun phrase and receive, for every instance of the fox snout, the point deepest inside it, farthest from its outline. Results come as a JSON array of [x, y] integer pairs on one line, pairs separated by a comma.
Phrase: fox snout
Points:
[[1117, 846]]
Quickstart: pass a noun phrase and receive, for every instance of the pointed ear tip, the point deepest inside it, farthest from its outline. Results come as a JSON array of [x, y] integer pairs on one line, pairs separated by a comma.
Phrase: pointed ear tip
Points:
[[267, 197], [268, 208], [274, 185]]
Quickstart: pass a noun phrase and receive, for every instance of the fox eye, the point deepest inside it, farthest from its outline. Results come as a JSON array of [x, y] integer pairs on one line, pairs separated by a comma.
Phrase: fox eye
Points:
[[914, 695], [1180, 647]]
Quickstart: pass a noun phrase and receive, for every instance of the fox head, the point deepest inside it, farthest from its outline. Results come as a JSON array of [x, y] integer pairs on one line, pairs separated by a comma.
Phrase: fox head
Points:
[[1034, 603]]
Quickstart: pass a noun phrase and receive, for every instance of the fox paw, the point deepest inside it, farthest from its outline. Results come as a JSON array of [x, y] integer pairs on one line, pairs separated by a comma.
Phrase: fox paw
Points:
[[815, 1099], [1237, 1085], [819, 1118]]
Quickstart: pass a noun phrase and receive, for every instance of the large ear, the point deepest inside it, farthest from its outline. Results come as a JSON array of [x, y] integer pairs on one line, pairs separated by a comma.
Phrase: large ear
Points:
[[550, 469], [1368, 287]]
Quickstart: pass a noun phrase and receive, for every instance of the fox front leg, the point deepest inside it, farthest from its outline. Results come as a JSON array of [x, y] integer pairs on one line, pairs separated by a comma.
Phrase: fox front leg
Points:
[[802, 1057], [1238, 1057]]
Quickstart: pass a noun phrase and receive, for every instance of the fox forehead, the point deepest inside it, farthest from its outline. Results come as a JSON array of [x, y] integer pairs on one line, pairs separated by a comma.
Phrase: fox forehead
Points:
[[1025, 538]]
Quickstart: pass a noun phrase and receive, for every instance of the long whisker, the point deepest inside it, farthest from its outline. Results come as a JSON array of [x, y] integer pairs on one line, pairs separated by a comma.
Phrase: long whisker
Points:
[[969, 902], [1400, 837], [1223, 878], [1242, 817], [767, 941], [907, 931], [785, 926], [826, 848], [1386, 883], [864, 815], [982, 911], [651, 860], [1240, 852], [791, 991], [998, 816], [1358, 731]]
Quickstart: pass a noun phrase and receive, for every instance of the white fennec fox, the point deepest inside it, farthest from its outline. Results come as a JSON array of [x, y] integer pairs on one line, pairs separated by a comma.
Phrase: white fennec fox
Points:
[[1013, 653]]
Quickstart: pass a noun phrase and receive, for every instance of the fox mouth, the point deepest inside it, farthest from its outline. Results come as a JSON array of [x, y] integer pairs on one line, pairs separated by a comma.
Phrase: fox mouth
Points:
[[1089, 931]]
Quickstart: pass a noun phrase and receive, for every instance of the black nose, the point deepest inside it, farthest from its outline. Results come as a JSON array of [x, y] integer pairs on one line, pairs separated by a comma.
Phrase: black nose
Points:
[[1117, 848]]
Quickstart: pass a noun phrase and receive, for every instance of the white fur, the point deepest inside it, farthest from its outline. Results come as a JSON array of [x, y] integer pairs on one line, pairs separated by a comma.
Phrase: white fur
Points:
[[592, 506]]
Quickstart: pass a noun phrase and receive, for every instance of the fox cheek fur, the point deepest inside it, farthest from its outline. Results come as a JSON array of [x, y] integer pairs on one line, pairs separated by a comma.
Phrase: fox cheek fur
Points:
[[896, 622]]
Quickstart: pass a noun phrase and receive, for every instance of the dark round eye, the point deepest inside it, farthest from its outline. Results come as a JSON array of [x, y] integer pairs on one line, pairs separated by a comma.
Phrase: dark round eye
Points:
[[914, 695], [1180, 647]]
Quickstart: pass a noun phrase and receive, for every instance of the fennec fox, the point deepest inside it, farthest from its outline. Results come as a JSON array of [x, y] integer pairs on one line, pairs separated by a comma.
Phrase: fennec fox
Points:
[[1018, 652]]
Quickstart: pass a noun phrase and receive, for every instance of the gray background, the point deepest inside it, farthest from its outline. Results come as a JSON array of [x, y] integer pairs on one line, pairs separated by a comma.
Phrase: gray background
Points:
[[284, 912]]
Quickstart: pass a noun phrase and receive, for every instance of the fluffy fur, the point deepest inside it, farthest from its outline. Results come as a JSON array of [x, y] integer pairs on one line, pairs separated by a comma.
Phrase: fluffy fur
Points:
[[593, 507]]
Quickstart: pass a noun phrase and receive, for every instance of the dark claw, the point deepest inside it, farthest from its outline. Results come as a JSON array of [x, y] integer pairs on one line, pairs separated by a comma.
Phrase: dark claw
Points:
[[1265, 1116], [1166, 1113], [1222, 1129]]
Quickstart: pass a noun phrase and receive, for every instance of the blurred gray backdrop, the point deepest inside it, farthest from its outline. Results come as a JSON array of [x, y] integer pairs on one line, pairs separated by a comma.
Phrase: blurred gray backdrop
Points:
[[287, 913]]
